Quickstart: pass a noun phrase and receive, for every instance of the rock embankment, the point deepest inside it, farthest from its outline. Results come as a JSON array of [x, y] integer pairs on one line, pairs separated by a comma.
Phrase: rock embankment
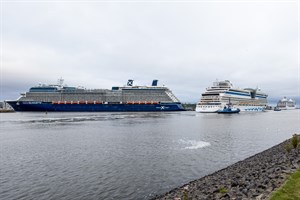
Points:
[[253, 178]]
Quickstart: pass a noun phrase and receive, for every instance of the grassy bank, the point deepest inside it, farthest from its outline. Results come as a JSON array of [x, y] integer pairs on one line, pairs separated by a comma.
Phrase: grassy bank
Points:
[[290, 190]]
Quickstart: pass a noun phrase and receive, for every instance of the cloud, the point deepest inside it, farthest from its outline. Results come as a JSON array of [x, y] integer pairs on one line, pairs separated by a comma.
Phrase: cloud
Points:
[[184, 45]]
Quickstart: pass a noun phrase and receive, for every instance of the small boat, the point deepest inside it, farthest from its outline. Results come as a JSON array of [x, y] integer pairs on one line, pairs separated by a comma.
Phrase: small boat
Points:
[[228, 110], [277, 109]]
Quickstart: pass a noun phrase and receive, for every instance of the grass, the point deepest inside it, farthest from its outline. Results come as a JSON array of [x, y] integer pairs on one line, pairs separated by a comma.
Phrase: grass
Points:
[[223, 190], [185, 195], [295, 141], [290, 190], [288, 147]]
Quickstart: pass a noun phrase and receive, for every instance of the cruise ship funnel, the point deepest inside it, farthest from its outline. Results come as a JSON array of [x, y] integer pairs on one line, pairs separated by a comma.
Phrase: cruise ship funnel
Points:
[[154, 82]]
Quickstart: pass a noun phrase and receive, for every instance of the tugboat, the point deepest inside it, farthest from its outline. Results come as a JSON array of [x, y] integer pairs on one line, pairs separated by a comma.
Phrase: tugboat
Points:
[[229, 109], [277, 108]]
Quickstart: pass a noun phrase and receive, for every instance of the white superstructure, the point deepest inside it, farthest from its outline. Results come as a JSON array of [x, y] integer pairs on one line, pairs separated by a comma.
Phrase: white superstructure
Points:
[[223, 92], [286, 104]]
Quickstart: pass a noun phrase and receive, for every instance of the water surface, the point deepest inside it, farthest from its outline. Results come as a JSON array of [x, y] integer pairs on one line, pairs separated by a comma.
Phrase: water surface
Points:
[[126, 155]]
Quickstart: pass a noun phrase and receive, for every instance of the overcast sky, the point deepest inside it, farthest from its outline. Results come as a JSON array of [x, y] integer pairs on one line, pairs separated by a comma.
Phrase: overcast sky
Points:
[[186, 45]]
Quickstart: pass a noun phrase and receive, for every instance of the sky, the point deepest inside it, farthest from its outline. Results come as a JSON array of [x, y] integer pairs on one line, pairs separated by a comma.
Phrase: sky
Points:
[[186, 45]]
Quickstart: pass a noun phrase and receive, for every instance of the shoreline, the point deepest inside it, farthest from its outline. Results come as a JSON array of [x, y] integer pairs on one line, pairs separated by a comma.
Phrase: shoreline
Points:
[[6, 111], [256, 177]]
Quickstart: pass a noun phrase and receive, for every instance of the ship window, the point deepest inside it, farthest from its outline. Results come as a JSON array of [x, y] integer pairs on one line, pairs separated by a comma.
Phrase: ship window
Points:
[[69, 88], [43, 89]]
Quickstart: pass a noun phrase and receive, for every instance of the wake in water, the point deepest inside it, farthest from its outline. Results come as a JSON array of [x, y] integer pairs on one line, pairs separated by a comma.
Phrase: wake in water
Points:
[[193, 144], [70, 118]]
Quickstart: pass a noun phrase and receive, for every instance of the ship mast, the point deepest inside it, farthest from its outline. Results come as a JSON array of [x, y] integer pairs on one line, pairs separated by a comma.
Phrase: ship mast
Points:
[[60, 82]]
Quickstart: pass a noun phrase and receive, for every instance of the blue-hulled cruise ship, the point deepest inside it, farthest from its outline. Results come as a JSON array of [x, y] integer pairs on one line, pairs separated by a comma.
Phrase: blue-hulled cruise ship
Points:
[[223, 92], [128, 98]]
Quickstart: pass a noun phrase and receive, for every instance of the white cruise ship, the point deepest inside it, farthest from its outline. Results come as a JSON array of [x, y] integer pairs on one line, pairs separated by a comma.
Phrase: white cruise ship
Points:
[[286, 104], [223, 92]]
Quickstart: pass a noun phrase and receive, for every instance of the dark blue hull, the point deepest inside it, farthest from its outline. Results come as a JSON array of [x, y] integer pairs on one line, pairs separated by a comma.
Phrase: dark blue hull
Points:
[[106, 107]]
